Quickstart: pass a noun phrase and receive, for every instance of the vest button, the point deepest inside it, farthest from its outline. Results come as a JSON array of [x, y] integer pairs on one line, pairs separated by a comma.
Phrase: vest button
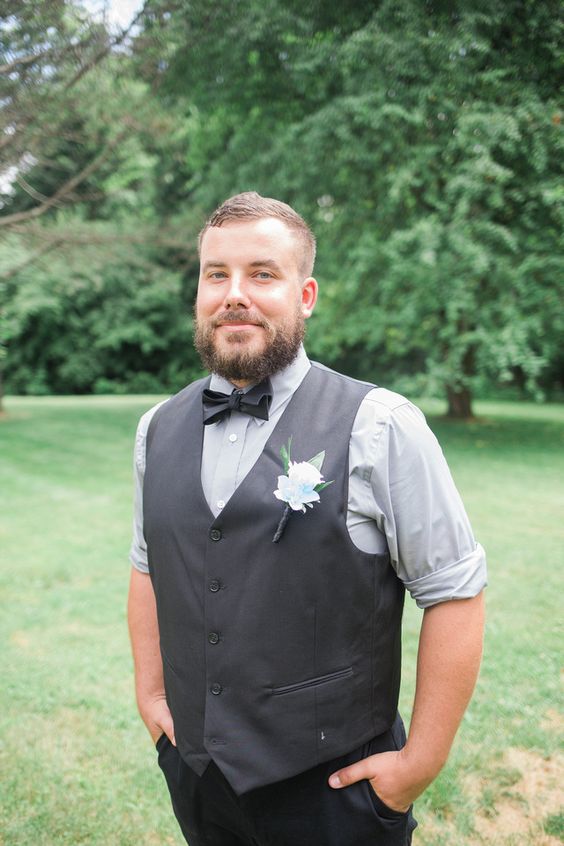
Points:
[[216, 689], [214, 585], [213, 637], [215, 535]]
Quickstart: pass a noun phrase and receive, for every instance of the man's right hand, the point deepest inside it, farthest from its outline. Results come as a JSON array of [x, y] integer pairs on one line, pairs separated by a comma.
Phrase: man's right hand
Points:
[[158, 719]]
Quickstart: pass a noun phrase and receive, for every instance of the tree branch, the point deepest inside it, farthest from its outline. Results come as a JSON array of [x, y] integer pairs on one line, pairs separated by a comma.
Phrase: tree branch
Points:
[[66, 188], [46, 248], [24, 60], [29, 189], [30, 58], [159, 240], [101, 54], [7, 140]]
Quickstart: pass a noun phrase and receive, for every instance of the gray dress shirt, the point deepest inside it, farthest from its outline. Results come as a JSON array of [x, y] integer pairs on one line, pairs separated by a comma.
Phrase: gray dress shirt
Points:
[[401, 494]]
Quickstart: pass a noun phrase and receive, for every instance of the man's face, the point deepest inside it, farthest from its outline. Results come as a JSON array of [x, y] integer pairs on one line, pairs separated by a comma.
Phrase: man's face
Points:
[[252, 302]]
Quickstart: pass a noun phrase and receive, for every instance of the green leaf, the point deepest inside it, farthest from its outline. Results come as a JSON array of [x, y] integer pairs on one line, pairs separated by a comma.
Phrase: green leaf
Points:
[[320, 487], [285, 454], [318, 460]]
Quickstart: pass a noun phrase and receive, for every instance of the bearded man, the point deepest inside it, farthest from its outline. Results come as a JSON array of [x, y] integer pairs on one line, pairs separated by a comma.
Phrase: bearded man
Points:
[[282, 509]]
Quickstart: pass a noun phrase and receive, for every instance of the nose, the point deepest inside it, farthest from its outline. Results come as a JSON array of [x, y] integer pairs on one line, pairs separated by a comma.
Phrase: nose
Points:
[[236, 294]]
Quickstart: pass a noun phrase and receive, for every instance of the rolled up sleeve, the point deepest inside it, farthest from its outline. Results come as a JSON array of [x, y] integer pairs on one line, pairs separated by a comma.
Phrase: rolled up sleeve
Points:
[[460, 580], [410, 494]]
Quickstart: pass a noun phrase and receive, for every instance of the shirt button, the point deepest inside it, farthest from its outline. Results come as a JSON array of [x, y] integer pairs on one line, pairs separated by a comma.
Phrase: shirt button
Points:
[[213, 637], [220, 503], [215, 534], [214, 585], [233, 437], [216, 689]]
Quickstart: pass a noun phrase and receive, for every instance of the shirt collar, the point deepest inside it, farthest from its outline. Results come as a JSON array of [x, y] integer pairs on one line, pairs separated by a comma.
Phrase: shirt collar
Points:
[[284, 383]]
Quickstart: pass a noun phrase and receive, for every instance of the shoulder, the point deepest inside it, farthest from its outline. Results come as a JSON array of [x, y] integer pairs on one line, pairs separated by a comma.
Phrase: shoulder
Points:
[[379, 407], [377, 398], [348, 389], [141, 434], [385, 402], [169, 404], [145, 420], [323, 371], [390, 419]]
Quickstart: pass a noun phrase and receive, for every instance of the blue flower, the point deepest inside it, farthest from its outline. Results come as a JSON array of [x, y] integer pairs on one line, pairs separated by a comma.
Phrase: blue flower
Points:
[[300, 486]]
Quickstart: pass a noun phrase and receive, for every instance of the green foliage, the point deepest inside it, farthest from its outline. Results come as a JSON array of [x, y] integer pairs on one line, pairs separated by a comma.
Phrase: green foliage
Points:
[[422, 141], [285, 452], [96, 326], [423, 144], [318, 460]]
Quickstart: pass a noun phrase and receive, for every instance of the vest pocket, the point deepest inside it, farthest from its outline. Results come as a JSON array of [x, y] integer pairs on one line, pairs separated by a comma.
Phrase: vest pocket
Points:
[[313, 682]]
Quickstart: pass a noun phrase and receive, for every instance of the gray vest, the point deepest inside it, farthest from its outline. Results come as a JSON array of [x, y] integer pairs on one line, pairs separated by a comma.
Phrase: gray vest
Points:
[[276, 657]]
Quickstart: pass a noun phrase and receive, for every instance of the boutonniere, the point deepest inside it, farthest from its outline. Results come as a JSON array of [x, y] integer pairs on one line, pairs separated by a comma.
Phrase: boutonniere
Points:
[[300, 486]]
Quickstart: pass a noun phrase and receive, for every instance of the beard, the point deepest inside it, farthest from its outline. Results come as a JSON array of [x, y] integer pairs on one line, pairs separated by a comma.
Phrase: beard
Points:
[[238, 364]]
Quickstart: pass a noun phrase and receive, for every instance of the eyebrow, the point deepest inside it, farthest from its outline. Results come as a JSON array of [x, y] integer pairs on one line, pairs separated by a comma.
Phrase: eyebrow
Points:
[[210, 264], [259, 263], [266, 263]]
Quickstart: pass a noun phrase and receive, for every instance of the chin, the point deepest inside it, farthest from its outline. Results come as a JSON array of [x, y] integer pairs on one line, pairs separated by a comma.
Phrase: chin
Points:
[[240, 341]]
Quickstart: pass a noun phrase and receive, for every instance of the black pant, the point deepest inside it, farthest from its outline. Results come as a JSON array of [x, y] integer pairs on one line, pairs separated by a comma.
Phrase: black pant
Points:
[[299, 811]]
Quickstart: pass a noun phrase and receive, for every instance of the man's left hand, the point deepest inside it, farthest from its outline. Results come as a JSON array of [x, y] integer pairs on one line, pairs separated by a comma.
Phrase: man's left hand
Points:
[[390, 776]]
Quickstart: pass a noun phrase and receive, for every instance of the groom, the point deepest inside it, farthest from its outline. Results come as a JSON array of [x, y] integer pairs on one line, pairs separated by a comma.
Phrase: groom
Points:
[[267, 651]]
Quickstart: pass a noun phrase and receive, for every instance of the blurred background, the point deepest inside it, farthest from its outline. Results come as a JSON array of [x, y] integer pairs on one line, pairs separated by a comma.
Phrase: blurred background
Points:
[[422, 141]]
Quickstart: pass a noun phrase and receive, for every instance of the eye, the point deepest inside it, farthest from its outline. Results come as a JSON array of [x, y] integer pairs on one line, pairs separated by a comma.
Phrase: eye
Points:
[[218, 274], [263, 274]]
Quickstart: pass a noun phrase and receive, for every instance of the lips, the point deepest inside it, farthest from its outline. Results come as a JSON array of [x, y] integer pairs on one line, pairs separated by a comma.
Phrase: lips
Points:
[[237, 327], [237, 320]]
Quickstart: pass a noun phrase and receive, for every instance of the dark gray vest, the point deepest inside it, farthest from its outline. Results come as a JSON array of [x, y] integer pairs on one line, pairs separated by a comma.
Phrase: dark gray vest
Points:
[[276, 656]]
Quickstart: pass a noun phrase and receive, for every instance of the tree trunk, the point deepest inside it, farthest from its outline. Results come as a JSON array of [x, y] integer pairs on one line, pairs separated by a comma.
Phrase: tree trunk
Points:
[[459, 403]]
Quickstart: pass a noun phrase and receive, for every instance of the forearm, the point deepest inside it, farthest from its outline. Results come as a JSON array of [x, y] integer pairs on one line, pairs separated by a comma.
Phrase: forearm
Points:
[[450, 649], [144, 634]]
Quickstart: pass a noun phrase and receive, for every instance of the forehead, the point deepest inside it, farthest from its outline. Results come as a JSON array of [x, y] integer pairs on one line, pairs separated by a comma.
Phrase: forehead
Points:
[[250, 240]]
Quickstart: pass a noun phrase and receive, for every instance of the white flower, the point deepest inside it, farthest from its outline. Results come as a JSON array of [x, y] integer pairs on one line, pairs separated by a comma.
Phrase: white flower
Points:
[[297, 488], [304, 473], [300, 487]]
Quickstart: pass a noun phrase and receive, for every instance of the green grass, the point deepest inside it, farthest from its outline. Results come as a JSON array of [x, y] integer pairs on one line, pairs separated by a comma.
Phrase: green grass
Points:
[[77, 765], [554, 824]]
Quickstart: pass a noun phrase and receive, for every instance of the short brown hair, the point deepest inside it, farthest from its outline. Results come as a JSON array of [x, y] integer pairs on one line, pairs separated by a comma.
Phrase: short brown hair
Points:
[[251, 206]]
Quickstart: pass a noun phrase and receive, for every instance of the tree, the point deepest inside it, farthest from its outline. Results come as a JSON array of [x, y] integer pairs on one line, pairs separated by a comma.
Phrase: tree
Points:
[[423, 141], [84, 325], [82, 139]]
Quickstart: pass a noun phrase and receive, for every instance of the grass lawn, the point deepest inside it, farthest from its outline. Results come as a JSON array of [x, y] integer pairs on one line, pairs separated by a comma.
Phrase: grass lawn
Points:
[[77, 765]]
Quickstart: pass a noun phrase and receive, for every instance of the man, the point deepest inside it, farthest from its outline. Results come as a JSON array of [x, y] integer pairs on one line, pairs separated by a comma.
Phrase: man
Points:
[[266, 633]]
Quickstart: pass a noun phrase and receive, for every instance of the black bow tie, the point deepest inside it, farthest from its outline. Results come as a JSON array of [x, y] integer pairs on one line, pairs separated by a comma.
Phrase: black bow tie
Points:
[[255, 402]]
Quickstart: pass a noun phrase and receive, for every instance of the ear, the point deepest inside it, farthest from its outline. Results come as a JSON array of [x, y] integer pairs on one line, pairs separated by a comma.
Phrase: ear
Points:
[[309, 296]]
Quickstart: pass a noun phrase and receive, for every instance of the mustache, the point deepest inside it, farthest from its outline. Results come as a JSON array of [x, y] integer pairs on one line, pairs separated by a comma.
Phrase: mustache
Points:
[[239, 317]]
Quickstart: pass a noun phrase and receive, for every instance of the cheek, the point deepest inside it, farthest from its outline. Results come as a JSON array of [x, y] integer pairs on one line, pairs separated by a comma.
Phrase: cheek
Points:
[[279, 304], [206, 303]]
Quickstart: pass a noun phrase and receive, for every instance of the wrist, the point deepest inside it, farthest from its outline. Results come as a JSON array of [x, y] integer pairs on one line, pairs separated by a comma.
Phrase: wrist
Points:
[[422, 764], [147, 699]]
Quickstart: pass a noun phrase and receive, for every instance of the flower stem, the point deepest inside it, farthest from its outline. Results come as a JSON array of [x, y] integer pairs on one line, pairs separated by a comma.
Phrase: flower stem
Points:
[[282, 524]]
